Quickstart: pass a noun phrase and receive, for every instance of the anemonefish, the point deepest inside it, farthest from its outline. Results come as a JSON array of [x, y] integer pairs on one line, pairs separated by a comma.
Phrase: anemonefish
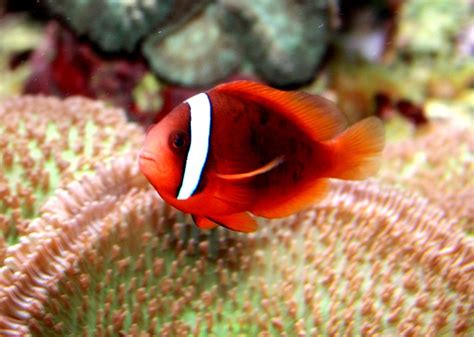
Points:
[[243, 147]]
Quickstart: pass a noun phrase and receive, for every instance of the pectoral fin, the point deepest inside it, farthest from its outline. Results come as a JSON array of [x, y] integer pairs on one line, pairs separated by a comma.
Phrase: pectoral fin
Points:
[[265, 168]]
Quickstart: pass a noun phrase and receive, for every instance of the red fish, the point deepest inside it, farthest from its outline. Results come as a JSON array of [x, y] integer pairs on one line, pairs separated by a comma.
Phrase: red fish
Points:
[[243, 147]]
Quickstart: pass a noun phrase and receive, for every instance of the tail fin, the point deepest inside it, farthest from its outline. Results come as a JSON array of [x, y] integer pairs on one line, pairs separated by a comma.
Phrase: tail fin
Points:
[[358, 150]]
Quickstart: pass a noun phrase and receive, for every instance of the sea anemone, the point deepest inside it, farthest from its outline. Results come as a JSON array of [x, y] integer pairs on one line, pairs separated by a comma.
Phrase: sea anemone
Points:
[[47, 143], [108, 257], [439, 164], [105, 256]]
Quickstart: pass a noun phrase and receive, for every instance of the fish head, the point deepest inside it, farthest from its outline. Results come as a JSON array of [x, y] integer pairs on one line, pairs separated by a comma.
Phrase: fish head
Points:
[[163, 154]]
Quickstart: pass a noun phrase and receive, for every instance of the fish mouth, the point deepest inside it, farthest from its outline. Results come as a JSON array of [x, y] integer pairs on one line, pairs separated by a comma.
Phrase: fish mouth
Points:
[[145, 157]]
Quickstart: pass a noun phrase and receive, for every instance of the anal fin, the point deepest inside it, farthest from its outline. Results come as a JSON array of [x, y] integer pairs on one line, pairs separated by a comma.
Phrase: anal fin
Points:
[[285, 205], [239, 222], [203, 222]]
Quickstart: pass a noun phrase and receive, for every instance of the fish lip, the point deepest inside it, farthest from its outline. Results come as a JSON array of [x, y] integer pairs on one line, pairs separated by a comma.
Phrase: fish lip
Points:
[[146, 158]]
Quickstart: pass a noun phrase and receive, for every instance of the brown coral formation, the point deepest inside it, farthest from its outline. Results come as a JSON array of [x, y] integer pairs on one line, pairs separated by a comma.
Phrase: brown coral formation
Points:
[[439, 164], [46, 143], [107, 257]]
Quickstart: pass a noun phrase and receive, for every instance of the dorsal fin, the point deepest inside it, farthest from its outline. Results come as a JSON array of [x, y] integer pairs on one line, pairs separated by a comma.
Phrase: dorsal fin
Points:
[[317, 116]]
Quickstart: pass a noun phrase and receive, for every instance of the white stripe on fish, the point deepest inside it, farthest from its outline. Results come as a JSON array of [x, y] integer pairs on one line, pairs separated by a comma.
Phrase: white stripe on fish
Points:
[[200, 110]]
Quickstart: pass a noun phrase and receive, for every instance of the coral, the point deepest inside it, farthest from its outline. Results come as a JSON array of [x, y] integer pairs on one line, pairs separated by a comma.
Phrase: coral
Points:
[[419, 62], [88, 248], [359, 85], [429, 28], [199, 53], [108, 257], [368, 28], [56, 240], [412, 112], [64, 66], [465, 40], [46, 143], [18, 37], [440, 165], [195, 43], [120, 25], [61, 65], [449, 80], [3, 248], [147, 99], [284, 40]]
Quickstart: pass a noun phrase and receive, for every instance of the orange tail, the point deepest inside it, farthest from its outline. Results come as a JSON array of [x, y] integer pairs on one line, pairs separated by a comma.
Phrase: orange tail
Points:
[[358, 150]]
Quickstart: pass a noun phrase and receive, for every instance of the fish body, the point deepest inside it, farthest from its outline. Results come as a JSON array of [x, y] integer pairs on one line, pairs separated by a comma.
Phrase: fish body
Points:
[[243, 147]]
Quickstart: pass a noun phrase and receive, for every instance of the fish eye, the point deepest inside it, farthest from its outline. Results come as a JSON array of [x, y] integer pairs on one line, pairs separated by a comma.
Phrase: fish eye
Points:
[[178, 140]]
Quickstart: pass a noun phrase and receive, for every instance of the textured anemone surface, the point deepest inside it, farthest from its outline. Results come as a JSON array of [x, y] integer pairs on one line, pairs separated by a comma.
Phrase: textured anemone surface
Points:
[[439, 164], [106, 256], [119, 25], [45, 143]]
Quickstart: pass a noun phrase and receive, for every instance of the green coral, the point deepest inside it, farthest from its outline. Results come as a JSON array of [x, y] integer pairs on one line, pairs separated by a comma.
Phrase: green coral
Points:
[[356, 84], [198, 53], [430, 27], [120, 25], [147, 94], [187, 43], [17, 36], [284, 40]]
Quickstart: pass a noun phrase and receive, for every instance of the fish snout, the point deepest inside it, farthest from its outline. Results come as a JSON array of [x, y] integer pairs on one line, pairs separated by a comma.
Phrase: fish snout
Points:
[[146, 159]]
